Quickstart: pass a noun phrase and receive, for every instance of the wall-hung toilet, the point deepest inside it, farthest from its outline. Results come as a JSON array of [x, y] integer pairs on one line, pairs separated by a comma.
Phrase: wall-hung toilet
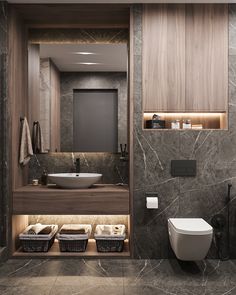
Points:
[[190, 238]]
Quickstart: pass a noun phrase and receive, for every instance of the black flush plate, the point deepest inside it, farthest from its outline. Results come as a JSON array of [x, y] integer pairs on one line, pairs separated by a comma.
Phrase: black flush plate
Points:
[[183, 168]]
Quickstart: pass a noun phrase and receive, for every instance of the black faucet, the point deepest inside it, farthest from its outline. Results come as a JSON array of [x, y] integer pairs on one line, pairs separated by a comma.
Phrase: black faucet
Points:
[[77, 165]]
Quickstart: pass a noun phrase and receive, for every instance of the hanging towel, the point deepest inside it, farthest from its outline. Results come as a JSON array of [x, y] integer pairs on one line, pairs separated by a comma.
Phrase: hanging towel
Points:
[[26, 150], [37, 139]]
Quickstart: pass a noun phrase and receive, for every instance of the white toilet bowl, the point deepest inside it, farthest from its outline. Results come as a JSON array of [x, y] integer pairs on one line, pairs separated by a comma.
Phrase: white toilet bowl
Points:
[[190, 238]]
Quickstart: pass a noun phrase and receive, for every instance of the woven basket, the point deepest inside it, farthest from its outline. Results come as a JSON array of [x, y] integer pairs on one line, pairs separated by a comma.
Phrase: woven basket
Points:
[[73, 245], [110, 245], [37, 245]]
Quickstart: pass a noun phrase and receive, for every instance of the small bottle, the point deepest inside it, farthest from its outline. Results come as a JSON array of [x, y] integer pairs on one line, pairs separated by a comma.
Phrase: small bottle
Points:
[[175, 124], [187, 124], [44, 177]]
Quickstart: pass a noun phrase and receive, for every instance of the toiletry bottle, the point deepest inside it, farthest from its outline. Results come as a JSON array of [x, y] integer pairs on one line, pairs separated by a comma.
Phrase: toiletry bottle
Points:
[[187, 124], [44, 177], [175, 124]]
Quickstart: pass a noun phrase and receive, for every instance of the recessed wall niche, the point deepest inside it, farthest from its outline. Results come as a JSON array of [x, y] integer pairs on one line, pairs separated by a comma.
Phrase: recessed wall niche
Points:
[[59, 220], [185, 120]]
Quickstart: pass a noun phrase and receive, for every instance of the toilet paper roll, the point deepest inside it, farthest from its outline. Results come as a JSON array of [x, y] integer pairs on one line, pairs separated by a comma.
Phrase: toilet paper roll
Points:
[[152, 202]]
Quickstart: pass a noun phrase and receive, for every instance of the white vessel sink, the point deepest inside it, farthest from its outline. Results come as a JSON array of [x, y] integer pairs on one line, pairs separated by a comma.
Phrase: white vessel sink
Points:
[[74, 180]]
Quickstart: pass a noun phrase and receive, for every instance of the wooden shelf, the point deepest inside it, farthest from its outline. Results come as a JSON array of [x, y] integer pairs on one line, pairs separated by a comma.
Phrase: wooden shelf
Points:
[[91, 251], [209, 120], [97, 200]]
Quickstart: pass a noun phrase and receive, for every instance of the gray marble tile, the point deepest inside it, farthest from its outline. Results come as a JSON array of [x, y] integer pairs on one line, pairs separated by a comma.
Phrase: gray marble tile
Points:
[[4, 130], [25, 290], [114, 276], [92, 289], [29, 272], [89, 276], [112, 36], [102, 80], [108, 164], [232, 29]]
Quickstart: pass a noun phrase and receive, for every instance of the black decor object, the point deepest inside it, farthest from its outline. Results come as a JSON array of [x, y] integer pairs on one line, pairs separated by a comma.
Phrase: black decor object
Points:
[[183, 168], [155, 124]]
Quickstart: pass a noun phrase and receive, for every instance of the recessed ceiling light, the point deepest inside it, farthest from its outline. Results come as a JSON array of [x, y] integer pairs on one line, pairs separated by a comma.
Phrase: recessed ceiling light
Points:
[[83, 53], [88, 63]]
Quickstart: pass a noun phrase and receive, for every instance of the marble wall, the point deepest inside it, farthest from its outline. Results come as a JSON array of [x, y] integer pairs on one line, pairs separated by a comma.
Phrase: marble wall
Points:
[[45, 100], [97, 80], [4, 127], [79, 36], [200, 196], [108, 164]]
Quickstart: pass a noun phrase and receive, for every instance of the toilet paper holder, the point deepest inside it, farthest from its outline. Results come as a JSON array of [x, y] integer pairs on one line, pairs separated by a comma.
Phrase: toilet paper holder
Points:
[[151, 200]]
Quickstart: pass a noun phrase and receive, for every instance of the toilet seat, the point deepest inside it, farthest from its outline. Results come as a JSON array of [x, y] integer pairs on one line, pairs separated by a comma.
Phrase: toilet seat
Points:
[[191, 226]]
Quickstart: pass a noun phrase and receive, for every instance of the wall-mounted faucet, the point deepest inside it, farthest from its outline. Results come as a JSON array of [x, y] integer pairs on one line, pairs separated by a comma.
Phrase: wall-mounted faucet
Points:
[[77, 165], [124, 153]]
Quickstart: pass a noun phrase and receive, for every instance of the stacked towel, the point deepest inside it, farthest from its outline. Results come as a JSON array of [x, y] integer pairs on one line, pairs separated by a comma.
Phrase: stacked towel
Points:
[[76, 229], [26, 150], [74, 232], [81, 231]]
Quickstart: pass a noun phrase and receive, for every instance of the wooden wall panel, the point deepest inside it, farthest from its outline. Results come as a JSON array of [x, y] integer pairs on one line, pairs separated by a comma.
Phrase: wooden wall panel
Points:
[[55, 109], [163, 57], [19, 223], [34, 83], [17, 77], [206, 57]]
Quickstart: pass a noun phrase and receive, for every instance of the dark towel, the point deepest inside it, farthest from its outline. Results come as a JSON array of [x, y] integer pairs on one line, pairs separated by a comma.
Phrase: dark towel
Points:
[[73, 231], [37, 139], [46, 231]]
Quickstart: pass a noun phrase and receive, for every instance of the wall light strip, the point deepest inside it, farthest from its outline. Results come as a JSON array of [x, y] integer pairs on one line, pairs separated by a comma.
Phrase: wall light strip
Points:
[[184, 114]]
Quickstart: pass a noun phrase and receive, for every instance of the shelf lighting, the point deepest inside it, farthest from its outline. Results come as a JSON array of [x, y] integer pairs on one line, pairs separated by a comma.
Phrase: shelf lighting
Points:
[[148, 115]]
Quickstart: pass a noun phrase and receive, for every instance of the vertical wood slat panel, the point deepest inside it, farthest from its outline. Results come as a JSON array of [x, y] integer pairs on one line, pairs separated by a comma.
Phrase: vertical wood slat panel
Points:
[[185, 57], [18, 96], [55, 108], [34, 83], [206, 57], [164, 57]]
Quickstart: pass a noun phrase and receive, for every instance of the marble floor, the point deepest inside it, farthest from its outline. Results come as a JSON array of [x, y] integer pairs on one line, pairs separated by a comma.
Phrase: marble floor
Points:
[[108, 276]]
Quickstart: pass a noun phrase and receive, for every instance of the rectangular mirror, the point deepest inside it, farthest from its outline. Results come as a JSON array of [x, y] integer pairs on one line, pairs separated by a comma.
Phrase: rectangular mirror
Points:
[[95, 120], [78, 94]]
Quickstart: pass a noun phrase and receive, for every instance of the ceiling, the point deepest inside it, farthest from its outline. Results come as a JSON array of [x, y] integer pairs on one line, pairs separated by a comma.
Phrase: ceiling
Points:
[[104, 57], [120, 1]]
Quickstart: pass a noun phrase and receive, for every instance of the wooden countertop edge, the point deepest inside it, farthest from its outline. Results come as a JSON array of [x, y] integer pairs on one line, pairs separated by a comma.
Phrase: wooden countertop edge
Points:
[[106, 188]]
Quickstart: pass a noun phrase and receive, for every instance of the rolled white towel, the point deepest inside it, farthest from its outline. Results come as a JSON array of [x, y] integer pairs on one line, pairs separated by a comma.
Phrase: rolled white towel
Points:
[[36, 228]]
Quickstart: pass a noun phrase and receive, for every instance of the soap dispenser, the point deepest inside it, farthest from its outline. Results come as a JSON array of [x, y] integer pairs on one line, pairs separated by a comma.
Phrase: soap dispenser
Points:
[[44, 177]]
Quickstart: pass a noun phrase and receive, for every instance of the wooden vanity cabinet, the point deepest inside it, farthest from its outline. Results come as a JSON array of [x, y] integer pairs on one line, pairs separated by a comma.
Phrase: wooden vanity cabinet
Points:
[[185, 57]]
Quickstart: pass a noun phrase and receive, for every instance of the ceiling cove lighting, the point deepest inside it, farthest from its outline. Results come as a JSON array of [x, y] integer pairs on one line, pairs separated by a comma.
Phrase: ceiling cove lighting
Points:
[[83, 53], [88, 63]]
